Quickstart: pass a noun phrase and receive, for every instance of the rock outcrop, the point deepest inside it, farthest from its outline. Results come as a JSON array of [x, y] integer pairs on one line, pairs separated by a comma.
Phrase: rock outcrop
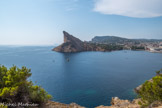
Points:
[[118, 103], [52, 104], [115, 103], [73, 44]]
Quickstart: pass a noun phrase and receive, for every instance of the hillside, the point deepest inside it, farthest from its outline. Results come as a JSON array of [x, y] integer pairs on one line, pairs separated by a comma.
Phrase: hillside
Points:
[[109, 39], [116, 39]]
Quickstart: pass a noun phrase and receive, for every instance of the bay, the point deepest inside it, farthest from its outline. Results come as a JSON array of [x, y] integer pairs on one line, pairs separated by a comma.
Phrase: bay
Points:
[[89, 79]]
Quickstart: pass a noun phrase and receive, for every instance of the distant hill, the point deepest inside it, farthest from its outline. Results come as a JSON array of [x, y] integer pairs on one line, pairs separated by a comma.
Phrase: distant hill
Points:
[[109, 39], [116, 39]]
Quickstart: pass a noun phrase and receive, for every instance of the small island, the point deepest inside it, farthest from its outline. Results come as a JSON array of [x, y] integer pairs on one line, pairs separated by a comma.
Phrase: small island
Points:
[[107, 43]]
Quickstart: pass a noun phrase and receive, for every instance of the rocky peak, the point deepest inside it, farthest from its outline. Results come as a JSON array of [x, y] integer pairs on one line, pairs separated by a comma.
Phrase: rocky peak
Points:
[[66, 36], [70, 38], [71, 44]]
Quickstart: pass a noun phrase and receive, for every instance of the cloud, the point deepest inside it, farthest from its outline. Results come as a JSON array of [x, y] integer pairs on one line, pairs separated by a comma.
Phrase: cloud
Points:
[[130, 8]]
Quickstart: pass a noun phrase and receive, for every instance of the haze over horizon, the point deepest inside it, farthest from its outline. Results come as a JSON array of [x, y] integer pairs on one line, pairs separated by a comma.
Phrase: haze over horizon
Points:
[[41, 22]]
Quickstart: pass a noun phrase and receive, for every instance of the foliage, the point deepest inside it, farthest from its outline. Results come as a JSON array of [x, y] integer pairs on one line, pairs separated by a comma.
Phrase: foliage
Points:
[[3, 106], [111, 47], [151, 91], [107, 47], [137, 48], [158, 72], [14, 86]]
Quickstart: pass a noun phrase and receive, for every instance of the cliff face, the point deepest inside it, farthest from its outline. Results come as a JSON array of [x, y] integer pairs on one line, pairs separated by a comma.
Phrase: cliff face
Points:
[[73, 44]]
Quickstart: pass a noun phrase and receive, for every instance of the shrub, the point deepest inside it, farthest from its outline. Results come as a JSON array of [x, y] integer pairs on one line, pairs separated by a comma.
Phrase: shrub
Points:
[[151, 91], [14, 87]]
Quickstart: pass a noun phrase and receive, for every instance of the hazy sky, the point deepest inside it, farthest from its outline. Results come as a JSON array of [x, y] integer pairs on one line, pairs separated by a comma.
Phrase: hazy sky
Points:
[[41, 22]]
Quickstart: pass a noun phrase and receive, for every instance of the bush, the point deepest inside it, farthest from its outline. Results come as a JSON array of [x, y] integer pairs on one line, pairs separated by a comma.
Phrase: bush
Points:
[[151, 91], [14, 87], [138, 48], [3, 106]]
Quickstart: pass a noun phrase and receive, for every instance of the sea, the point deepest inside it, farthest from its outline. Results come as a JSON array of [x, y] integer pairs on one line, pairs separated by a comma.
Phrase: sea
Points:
[[90, 78]]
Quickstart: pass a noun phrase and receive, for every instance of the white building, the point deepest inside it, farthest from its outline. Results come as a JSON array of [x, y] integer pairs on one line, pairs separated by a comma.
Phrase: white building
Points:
[[160, 45]]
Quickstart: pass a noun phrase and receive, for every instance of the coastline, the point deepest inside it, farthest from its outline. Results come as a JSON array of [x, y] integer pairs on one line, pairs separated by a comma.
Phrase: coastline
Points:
[[115, 101]]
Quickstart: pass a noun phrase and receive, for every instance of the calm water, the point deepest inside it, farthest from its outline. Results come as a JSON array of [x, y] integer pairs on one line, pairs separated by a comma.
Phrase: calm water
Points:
[[89, 78]]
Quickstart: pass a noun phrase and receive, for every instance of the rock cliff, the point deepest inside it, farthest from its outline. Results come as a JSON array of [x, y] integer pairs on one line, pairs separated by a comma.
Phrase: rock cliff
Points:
[[118, 103], [73, 44]]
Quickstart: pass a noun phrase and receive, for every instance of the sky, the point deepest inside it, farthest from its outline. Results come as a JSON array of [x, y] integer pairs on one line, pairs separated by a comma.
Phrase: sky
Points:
[[41, 22]]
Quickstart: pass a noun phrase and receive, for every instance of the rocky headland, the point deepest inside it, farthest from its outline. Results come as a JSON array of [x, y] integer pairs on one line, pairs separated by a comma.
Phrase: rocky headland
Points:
[[108, 43], [73, 44]]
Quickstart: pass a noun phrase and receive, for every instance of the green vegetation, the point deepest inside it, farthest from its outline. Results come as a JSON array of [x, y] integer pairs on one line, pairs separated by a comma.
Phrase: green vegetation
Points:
[[3, 106], [107, 47], [110, 47], [151, 91], [158, 72], [138, 48], [14, 87]]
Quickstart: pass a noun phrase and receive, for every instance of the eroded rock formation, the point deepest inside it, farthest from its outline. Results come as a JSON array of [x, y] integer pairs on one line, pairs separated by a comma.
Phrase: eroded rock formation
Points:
[[73, 44]]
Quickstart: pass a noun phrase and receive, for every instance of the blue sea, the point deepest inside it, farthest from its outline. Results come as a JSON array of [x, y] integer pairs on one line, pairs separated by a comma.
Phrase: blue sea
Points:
[[89, 79]]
